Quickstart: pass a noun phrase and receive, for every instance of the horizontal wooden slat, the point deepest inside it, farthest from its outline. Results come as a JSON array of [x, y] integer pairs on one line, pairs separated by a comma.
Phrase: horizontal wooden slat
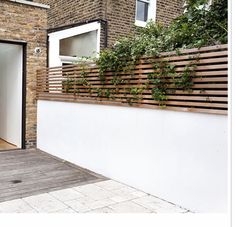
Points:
[[148, 68], [146, 96], [196, 50], [185, 109], [143, 74], [197, 56], [133, 81], [207, 95], [195, 86]]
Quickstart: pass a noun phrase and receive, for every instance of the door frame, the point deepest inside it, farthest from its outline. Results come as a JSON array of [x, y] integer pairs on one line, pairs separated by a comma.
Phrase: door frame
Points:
[[23, 44]]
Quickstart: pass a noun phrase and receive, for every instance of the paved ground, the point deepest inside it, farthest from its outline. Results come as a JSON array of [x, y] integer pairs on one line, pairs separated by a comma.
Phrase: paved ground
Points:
[[32, 181], [25, 173], [103, 197]]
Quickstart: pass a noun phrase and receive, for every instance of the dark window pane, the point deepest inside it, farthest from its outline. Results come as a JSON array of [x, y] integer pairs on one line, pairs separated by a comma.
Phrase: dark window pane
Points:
[[142, 11]]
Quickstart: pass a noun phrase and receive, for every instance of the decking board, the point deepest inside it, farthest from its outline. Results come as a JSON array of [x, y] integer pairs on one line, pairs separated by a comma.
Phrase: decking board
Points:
[[39, 173]]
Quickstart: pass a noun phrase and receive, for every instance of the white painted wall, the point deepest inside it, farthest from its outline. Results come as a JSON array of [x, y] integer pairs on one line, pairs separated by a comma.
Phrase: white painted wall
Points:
[[178, 156], [11, 93]]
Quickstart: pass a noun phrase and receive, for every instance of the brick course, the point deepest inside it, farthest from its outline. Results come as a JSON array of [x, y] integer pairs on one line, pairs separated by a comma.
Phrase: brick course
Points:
[[119, 14], [22, 22], [168, 10], [65, 12]]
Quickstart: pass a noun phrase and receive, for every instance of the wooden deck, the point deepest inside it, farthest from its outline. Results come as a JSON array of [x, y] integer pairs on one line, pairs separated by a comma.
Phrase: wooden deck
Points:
[[6, 146], [30, 172]]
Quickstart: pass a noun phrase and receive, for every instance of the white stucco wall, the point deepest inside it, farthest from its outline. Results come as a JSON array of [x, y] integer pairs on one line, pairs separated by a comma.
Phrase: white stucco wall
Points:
[[178, 156], [11, 93]]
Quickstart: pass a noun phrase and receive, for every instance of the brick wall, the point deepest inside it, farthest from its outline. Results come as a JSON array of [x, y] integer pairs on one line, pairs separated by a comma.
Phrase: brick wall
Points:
[[121, 19], [120, 14], [65, 12], [26, 23], [168, 10]]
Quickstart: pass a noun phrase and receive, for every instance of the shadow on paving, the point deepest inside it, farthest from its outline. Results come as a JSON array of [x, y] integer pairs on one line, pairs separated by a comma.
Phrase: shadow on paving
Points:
[[30, 172]]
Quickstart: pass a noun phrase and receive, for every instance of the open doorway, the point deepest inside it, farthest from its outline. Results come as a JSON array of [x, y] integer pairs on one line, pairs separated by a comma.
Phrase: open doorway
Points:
[[12, 95]]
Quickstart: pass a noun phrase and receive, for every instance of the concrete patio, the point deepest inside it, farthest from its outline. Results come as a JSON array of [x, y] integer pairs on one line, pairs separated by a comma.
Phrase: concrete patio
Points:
[[35, 182]]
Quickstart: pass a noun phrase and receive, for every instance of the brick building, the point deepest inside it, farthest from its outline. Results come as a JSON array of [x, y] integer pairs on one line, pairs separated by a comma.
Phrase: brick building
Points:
[[120, 14], [99, 23], [23, 50], [75, 28]]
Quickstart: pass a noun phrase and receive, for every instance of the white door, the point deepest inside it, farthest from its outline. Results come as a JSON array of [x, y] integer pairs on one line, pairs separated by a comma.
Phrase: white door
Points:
[[11, 66]]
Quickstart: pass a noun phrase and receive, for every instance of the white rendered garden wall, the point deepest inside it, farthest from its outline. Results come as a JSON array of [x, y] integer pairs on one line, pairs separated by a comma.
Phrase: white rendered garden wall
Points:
[[178, 156]]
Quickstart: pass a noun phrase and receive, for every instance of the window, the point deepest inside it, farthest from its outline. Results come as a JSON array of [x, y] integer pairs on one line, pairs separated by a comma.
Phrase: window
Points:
[[145, 11], [72, 44], [83, 45], [142, 10]]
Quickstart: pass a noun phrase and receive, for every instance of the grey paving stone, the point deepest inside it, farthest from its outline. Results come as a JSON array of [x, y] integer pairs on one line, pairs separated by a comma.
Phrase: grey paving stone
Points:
[[16, 206], [45, 203]]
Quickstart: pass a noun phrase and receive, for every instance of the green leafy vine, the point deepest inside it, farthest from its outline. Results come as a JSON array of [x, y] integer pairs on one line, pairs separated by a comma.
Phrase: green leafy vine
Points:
[[200, 25]]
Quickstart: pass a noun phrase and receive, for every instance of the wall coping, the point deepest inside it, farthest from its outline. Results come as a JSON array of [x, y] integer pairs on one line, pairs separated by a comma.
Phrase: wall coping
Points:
[[35, 4]]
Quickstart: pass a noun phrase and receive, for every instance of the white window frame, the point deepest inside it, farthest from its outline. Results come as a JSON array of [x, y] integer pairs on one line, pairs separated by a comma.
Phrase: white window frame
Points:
[[55, 59], [152, 12]]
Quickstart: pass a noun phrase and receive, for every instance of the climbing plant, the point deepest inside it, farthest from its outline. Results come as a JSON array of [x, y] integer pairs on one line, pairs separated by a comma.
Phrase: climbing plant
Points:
[[200, 25]]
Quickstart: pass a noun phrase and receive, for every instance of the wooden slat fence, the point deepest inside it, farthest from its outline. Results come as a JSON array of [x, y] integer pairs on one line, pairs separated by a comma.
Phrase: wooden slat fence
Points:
[[76, 83]]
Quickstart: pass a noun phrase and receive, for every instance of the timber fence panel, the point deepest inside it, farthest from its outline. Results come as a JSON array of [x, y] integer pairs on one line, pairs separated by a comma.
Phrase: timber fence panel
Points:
[[82, 83]]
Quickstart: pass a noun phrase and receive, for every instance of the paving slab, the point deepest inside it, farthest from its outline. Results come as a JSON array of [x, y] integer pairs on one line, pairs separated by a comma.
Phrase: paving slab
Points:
[[92, 198]]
